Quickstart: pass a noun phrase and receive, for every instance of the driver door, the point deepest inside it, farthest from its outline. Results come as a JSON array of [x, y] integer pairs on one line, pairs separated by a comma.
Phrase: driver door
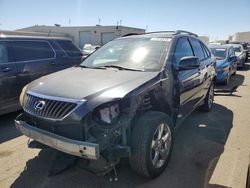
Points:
[[188, 80], [9, 92]]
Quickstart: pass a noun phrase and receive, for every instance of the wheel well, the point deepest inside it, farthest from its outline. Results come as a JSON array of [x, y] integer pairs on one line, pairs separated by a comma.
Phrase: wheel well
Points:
[[153, 102]]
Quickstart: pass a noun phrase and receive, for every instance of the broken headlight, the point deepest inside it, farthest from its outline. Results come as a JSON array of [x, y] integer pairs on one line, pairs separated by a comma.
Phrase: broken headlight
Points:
[[107, 114]]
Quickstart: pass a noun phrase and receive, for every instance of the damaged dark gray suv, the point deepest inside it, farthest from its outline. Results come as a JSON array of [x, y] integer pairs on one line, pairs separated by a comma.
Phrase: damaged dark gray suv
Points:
[[123, 101]]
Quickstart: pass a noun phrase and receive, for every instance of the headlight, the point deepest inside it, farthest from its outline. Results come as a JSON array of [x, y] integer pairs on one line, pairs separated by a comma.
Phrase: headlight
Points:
[[22, 95], [107, 113]]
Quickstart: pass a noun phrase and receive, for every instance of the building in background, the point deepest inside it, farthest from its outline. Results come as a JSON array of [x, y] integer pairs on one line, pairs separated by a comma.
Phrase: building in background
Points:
[[219, 42], [95, 35], [205, 39], [241, 36]]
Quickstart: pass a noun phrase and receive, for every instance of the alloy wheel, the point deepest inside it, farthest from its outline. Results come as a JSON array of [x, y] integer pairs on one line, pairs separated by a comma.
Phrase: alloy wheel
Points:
[[161, 145]]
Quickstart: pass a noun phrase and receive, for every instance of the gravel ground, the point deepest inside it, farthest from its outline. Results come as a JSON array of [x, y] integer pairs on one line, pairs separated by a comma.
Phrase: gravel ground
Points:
[[201, 142]]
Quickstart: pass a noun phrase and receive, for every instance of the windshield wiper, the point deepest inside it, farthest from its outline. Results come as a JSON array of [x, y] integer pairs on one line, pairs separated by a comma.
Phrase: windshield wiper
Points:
[[83, 66], [120, 68]]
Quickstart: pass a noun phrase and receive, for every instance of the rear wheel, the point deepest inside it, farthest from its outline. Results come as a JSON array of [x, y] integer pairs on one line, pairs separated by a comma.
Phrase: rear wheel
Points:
[[226, 81], [208, 102], [152, 143]]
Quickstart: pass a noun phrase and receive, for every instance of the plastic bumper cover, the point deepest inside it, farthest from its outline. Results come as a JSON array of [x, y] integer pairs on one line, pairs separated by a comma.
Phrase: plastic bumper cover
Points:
[[74, 147]]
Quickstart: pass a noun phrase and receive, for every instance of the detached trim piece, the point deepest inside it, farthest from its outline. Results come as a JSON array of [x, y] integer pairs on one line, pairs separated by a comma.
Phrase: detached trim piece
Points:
[[74, 147]]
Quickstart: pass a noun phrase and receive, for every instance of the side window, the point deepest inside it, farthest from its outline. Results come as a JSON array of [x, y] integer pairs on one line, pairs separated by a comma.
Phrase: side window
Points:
[[197, 49], [69, 48], [183, 49], [32, 50], [206, 51], [3, 53], [232, 51]]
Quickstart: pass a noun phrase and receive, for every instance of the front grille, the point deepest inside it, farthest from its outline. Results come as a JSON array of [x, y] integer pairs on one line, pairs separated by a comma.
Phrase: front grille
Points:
[[47, 108]]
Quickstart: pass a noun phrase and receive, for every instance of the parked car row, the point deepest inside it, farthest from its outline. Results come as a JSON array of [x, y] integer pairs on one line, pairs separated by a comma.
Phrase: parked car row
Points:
[[229, 57], [24, 59]]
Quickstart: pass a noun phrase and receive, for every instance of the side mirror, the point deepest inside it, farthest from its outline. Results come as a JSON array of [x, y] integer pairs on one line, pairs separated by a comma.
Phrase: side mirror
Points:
[[189, 63]]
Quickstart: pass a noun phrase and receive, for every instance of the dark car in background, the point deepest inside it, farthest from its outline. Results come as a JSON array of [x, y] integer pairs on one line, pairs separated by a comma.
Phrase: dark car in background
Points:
[[226, 62], [123, 101], [24, 59]]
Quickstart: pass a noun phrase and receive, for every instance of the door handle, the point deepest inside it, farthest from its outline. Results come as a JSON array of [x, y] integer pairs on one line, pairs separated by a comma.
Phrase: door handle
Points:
[[6, 69], [52, 63]]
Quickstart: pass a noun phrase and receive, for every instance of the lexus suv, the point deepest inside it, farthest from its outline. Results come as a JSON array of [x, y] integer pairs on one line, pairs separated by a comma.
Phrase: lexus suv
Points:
[[123, 101]]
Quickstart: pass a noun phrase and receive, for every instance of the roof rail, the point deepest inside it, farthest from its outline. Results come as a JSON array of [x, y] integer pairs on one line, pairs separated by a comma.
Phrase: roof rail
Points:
[[178, 32], [130, 34], [171, 32]]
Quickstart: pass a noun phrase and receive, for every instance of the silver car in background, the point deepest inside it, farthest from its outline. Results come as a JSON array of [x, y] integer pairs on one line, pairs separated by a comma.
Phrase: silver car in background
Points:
[[240, 53]]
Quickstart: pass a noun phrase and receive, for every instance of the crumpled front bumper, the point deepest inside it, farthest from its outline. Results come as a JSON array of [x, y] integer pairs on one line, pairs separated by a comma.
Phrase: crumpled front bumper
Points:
[[74, 147]]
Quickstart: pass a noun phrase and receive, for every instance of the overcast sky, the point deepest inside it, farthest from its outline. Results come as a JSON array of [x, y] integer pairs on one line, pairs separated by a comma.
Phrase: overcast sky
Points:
[[214, 18]]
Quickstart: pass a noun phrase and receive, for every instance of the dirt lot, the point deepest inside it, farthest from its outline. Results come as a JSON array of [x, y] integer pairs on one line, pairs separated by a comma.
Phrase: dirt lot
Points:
[[201, 142]]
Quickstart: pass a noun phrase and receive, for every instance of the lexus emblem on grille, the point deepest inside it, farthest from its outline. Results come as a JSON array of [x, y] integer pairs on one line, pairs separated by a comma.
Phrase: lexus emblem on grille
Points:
[[39, 105]]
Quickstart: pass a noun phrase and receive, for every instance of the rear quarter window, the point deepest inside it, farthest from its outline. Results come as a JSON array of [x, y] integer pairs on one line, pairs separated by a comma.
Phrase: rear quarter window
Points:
[[31, 50], [70, 49], [198, 51]]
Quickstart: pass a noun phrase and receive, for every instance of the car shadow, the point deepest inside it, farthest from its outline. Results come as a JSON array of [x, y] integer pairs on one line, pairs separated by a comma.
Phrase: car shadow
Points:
[[235, 82], [245, 68], [7, 127], [199, 142]]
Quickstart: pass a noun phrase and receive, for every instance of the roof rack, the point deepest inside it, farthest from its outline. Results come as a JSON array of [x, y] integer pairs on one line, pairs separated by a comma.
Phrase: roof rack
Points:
[[130, 34], [178, 32]]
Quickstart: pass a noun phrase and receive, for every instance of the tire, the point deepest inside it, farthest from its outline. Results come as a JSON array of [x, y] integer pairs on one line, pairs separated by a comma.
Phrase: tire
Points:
[[144, 144], [226, 82], [208, 102]]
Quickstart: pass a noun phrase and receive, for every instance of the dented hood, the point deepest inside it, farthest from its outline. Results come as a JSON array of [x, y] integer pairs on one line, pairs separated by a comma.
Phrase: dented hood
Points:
[[78, 83]]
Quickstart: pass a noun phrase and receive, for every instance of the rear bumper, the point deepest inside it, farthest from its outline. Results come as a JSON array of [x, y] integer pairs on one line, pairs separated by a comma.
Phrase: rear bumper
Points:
[[74, 147]]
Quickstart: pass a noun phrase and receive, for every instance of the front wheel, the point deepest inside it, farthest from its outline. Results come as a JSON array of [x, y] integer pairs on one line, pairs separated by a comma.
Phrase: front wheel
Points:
[[208, 102], [152, 143]]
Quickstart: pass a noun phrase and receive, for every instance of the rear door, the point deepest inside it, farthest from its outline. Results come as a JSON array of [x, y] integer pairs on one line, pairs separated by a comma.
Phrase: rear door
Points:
[[68, 55], [188, 79], [205, 67], [9, 92], [34, 58]]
